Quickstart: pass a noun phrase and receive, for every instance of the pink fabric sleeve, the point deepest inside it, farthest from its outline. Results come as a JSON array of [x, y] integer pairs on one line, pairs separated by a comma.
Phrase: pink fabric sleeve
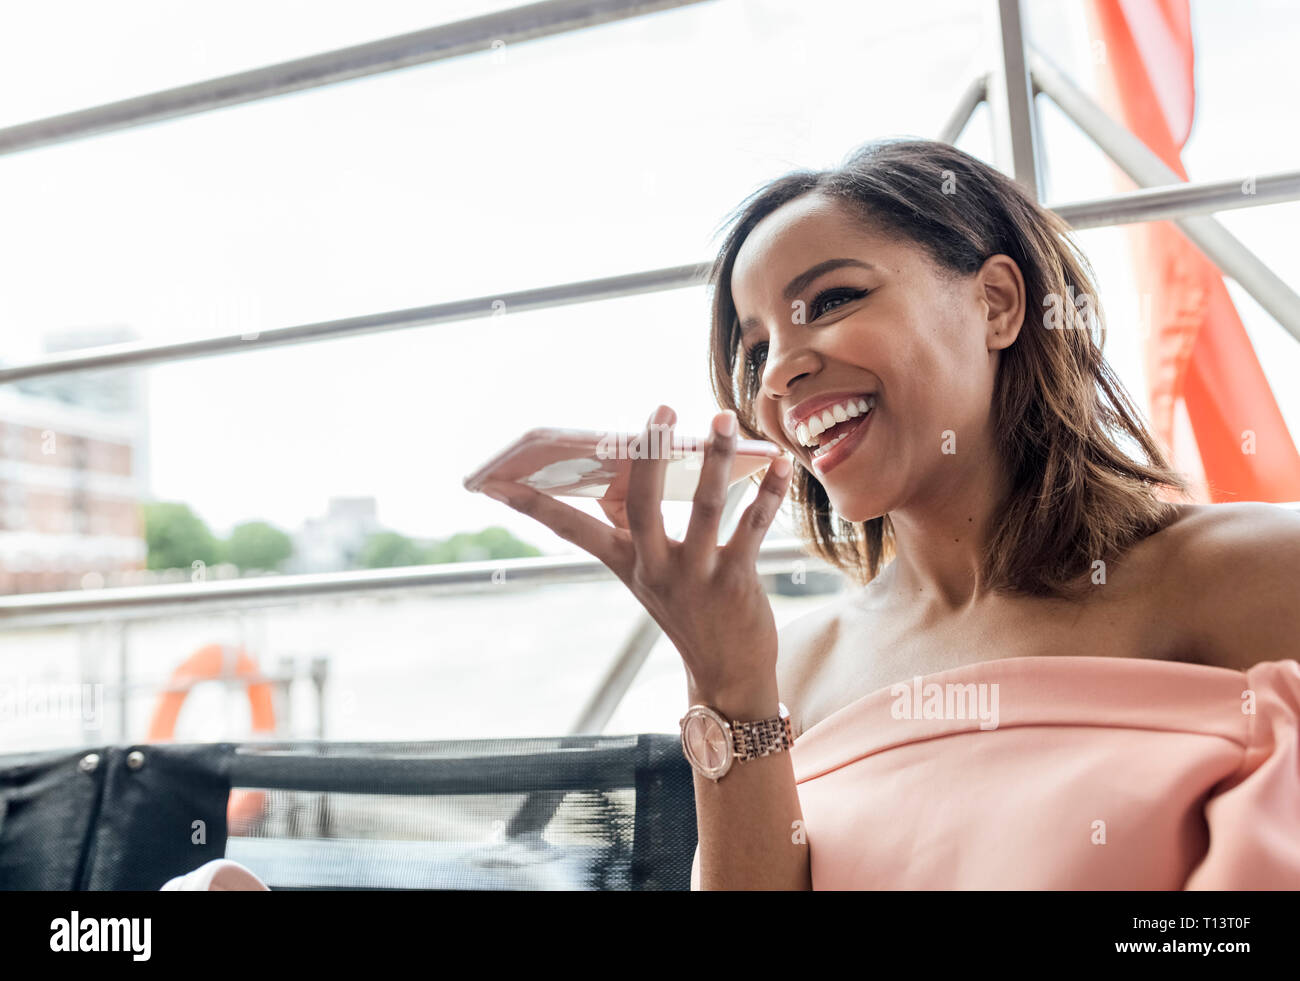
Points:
[[1254, 815]]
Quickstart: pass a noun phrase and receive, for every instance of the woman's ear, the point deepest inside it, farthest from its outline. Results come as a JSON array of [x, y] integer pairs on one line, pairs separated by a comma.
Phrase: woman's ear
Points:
[[1001, 291]]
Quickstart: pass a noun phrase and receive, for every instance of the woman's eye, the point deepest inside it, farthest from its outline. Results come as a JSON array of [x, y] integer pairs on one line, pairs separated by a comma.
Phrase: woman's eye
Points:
[[824, 301], [827, 300]]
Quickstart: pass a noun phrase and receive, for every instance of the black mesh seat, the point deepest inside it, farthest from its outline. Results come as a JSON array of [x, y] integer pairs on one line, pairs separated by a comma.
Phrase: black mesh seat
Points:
[[570, 812]]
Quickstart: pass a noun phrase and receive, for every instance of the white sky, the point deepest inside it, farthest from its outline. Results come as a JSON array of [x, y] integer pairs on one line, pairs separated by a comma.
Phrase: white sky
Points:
[[612, 150]]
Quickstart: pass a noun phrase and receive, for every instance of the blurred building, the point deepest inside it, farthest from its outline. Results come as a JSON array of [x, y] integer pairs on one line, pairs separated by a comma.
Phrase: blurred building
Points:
[[73, 472], [334, 542]]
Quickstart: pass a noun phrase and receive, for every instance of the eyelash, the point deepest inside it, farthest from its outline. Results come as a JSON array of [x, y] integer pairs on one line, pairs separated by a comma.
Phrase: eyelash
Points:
[[849, 295]]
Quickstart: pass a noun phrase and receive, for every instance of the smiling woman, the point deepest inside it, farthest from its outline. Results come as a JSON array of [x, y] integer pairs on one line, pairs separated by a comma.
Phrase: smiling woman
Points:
[[915, 270], [881, 322]]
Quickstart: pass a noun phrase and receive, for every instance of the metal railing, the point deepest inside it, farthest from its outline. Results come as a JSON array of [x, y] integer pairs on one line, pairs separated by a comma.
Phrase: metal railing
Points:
[[1181, 200], [1147, 170], [520, 301], [122, 606], [472, 36], [1150, 204], [26, 610]]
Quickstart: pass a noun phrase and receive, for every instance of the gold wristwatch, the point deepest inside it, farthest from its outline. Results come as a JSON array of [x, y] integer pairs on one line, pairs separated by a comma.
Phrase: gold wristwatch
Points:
[[711, 743]]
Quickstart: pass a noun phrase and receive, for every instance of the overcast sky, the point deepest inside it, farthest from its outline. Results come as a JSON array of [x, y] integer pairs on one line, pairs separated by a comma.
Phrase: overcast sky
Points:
[[612, 150]]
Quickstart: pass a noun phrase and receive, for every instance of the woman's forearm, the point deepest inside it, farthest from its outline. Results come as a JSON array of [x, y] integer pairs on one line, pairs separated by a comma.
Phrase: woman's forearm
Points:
[[750, 826]]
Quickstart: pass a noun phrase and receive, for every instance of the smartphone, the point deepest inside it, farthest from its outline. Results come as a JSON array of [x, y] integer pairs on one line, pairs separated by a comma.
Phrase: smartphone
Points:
[[586, 463]]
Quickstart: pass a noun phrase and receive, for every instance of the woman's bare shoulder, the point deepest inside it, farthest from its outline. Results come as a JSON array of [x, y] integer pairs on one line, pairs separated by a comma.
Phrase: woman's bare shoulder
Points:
[[1230, 574]]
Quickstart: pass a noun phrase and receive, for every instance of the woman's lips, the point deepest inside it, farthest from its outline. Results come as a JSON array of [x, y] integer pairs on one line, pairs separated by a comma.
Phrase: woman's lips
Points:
[[854, 431]]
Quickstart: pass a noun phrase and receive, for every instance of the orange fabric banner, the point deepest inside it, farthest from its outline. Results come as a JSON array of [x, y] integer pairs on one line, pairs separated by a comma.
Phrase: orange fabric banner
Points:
[[1197, 350]]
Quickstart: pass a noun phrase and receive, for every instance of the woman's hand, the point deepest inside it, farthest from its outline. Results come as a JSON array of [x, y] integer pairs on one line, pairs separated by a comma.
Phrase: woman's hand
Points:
[[706, 597]]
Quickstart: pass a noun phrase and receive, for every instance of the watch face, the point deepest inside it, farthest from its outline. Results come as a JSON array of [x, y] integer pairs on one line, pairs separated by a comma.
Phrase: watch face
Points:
[[707, 744]]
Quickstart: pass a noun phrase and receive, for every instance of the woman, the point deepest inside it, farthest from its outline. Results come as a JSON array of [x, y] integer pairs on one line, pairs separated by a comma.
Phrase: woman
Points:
[[1063, 679]]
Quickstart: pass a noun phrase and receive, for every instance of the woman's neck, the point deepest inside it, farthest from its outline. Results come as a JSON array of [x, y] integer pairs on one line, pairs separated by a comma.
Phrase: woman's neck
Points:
[[940, 542]]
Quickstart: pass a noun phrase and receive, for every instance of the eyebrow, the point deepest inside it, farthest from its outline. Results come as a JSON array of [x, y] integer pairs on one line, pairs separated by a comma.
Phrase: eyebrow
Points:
[[800, 283]]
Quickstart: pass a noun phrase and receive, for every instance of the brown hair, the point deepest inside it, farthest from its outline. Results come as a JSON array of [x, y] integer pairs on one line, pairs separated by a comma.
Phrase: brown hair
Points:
[[1061, 413]]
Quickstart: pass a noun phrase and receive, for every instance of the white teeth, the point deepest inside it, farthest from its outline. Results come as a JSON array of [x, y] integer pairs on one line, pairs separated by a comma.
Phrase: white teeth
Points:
[[818, 424], [823, 449]]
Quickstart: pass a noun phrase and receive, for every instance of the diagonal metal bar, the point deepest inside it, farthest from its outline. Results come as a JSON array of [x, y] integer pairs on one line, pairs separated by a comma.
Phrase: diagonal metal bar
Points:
[[476, 34], [1147, 170], [536, 811], [588, 291], [970, 100], [609, 692]]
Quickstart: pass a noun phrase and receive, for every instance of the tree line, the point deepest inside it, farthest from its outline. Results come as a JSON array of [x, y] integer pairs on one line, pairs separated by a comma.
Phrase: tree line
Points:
[[177, 537]]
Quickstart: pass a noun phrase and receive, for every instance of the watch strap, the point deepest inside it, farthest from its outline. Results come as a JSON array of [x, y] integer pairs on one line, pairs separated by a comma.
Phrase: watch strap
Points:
[[750, 740]]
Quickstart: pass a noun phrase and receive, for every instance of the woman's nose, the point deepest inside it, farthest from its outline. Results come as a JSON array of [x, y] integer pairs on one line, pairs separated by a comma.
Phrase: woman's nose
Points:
[[785, 366]]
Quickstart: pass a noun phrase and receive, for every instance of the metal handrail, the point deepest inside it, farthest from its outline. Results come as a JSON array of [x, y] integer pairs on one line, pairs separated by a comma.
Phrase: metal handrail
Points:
[[1169, 201], [470, 36], [1147, 169], [230, 679], [26, 610], [496, 304], [71, 606]]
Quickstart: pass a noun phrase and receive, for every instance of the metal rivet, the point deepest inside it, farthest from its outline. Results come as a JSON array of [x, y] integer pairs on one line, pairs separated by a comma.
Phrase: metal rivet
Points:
[[135, 759], [89, 762]]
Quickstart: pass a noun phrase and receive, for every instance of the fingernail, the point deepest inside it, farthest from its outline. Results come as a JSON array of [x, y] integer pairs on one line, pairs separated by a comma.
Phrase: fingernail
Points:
[[725, 423], [781, 466], [661, 416], [496, 495]]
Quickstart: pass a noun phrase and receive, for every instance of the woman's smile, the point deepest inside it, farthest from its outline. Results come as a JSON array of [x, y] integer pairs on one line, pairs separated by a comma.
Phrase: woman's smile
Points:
[[848, 437]]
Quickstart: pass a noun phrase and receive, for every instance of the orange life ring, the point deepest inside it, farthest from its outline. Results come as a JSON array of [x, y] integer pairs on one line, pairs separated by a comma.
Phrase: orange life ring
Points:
[[208, 663]]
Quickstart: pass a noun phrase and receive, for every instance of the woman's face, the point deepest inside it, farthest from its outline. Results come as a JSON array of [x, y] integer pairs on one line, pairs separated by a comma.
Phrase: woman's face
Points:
[[876, 318]]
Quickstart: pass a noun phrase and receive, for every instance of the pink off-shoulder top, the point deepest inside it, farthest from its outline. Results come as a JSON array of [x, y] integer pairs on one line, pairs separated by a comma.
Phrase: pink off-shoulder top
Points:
[[1072, 773]]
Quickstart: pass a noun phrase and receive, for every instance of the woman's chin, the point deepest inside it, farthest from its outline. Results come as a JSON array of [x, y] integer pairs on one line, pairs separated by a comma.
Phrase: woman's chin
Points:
[[856, 510]]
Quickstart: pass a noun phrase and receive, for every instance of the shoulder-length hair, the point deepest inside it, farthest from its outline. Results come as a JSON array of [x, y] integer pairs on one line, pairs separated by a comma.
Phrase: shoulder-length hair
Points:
[[1060, 413]]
